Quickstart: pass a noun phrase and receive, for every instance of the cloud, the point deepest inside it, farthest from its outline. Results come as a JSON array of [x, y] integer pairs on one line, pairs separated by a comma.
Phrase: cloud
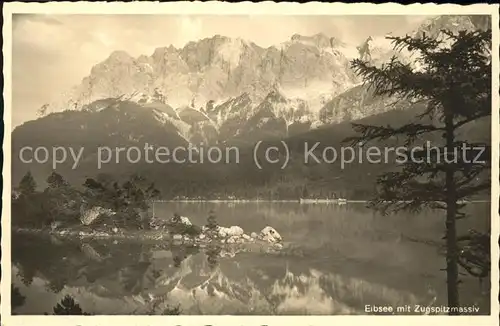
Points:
[[417, 19], [46, 19], [191, 28]]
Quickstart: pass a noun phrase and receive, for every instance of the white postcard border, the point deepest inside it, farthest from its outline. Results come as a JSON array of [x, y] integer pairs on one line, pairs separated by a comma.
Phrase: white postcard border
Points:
[[242, 8]]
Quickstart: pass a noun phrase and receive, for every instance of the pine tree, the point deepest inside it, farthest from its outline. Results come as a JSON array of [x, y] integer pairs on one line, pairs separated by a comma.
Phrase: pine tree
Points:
[[17, 299], [55, 180], [27, 186], [453, 84], [68, 306]]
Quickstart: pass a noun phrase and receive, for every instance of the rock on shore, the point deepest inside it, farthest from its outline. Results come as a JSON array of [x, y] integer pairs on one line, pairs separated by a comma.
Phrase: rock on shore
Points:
[[233, 231], [88, 216], [269, 234], [233, 235]]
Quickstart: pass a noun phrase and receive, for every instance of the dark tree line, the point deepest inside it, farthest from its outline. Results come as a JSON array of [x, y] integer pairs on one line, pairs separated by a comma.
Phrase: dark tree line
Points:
[[62, 204]]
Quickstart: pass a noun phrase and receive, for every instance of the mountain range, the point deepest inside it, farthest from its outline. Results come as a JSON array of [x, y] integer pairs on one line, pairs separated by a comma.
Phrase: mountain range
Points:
[[217, 90]]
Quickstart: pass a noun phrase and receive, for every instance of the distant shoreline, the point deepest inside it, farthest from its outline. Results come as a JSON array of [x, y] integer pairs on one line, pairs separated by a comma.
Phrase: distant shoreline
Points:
[[312, 201], [307, 201]]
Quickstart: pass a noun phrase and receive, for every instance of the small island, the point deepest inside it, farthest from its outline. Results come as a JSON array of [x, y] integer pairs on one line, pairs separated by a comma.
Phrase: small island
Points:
[[103, 208]]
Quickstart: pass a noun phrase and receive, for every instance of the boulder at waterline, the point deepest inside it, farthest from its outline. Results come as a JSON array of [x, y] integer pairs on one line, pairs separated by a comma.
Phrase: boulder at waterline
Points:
[[177, 219], [88, 216], [230, 231], [269, 234]]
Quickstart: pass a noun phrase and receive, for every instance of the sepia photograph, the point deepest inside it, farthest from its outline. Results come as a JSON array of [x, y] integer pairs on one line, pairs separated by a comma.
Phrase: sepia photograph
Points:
[[267, 164]]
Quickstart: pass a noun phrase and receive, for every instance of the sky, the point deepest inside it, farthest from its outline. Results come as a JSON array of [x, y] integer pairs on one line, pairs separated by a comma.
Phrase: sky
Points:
[[52, 53]]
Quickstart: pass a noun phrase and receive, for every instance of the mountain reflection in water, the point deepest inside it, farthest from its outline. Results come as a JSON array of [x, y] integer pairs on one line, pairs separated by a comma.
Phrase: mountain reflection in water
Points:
[[336, 260]]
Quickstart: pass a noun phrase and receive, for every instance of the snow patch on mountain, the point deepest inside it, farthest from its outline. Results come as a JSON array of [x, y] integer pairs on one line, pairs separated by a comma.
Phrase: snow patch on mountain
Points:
[[231, 51], [316, 94], [348, 50], [183, 129]]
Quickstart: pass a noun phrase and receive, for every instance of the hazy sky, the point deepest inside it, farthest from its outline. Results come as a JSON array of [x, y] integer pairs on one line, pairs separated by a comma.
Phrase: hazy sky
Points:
[[53, 53]]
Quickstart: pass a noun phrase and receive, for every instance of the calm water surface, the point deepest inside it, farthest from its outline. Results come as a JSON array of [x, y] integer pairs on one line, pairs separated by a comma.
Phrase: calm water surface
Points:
[[336, 260]]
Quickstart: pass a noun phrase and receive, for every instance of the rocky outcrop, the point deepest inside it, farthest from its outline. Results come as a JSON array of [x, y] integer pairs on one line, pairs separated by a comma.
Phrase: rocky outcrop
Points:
[[89, 216], [218, 88], [215, 69], [177, 219], [235, 234], [230, 235], [269, 234], [160, 224], [157, 223], [233, 231]]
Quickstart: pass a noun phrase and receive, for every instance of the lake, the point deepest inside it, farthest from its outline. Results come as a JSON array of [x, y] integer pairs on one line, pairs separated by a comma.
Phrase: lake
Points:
[[336, 260]]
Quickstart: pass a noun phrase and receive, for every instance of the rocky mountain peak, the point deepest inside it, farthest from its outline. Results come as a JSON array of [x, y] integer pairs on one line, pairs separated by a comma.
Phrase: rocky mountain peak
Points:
[[119, 56], [161, 51], [433, 26], [116, 58], [275, 95], [229, 78], [319, 40]]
